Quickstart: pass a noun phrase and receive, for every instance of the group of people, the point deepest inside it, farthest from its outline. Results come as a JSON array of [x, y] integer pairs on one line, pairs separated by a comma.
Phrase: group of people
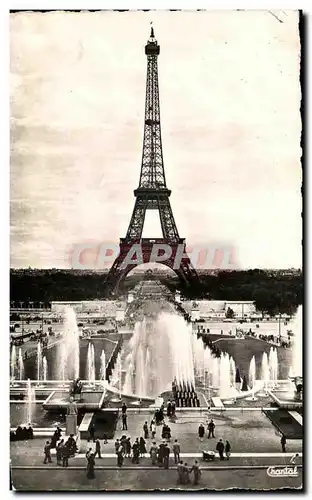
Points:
[[221, 448], [184, 472], [22, 433], [64, 449]]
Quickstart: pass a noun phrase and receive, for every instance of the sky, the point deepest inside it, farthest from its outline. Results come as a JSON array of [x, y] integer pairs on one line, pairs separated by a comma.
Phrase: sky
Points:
[[230, 118]]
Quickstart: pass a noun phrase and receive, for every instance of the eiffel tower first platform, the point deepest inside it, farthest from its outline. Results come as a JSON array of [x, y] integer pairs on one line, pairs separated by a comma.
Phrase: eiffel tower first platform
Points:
[[152, 194]]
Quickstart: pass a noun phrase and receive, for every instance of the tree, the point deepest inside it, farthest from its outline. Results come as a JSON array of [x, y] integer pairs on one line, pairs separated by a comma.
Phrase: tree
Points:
[[244, 386]]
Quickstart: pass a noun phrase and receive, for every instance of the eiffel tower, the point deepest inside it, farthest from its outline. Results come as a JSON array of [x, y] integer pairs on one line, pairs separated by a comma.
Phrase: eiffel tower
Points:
[[152, 193]]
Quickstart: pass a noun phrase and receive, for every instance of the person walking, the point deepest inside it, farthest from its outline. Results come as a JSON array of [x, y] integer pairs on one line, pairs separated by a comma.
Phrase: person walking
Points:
[[166, 455], [142, 447], [128, 447], [120, 456], [88, 453], [211, 428], [59, 452], [283, 443], [47, 452], [186, 474], [153, 429], [92, 431], [173, 408], [196, 471], [136, 452], [160, 454], [201, 432], [124, 422], [220, 449], [97, 448], [169, 409], [153, 453], [124, 408], [176, 451], [145, 429], [90, 466], [227, 450], [65, 454], [180, 471], [117, 443]]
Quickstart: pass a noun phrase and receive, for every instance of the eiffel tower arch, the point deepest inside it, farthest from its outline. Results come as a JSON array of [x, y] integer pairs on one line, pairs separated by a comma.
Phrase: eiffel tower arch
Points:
[[151, 194]]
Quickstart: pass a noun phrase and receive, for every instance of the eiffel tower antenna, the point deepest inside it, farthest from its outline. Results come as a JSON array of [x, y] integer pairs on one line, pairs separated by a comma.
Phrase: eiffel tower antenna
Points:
[[152, 192]]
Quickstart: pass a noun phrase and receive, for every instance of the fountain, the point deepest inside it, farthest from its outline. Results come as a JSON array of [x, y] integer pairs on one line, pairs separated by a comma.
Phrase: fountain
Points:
[[45, 368], [21, 370], [39, 361], [273, 367], [30, 403], [91, 365], [252, 379], [13, 364], [297, 355], [225, 386], [265, 372], [69, 348], [160, 351], [103, 366]]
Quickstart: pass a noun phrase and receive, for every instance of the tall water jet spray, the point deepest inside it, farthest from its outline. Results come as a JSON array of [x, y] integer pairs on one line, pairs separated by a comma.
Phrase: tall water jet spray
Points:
[[30, 403], [68, 359], [252, 379], [265, 372], [21, 370], [297, 354], [39, 361], [166, 341], [225, 377], [13, 363], [273, 367], [45, 368], [91, 364], [103, 366]]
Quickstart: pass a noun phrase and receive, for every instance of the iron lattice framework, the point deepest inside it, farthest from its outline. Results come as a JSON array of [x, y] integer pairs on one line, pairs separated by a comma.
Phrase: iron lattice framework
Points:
[[152, 193]]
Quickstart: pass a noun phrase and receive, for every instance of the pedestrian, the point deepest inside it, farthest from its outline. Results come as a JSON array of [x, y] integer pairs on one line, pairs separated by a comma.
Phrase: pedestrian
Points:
[[47, 452], [97, 448], [120, 456], [59, 452], [153, 429], [160, 455], [92, 431], [166, 454], [136, 452], [124, 422], [180, 470], [197, 472], [58, 432], [186, 474], [220, 449], [169, 409], [211, 428], [104, 438], [65, 454], [90, 466], [176, 451], [173, 408], [117, 443], [123, 441], [227, 450], [145, 429], [142, 446], [123, 408], [88, 453], [153, 453], [283, 443], [128, 447], [201, 432]]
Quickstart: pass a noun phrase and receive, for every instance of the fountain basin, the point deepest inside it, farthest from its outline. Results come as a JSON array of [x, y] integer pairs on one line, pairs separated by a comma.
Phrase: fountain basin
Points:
[[90, 401]]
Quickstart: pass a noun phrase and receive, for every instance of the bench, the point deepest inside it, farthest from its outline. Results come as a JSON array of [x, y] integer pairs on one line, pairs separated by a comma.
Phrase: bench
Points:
[[217, 402], [84, 426]]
